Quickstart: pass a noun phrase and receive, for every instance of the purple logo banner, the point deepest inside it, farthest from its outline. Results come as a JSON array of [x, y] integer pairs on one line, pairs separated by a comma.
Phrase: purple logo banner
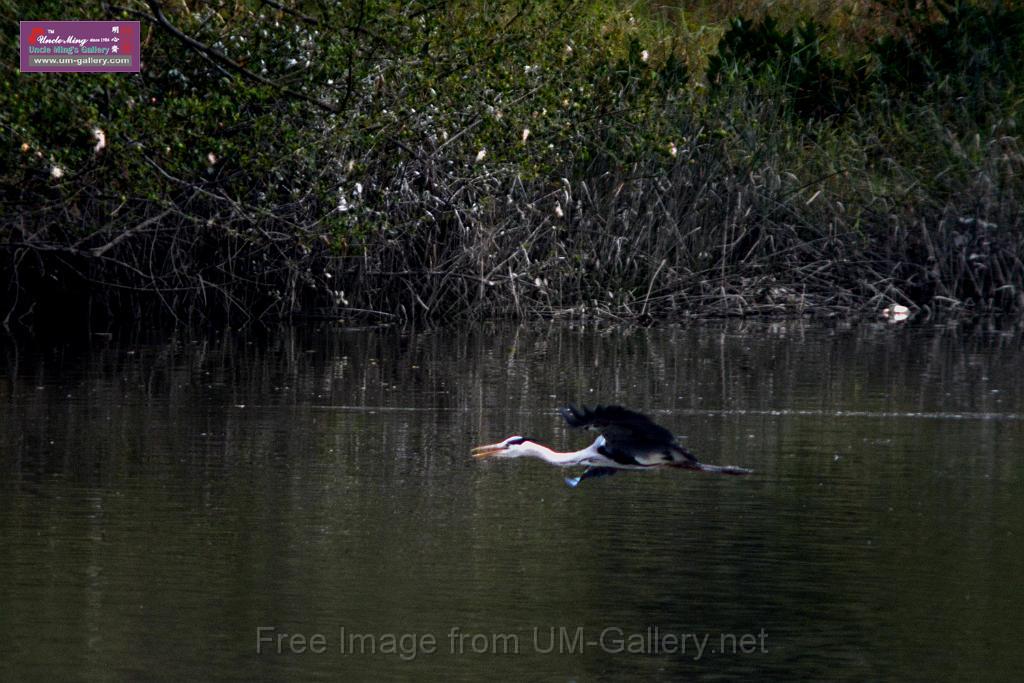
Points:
[[80, 46]]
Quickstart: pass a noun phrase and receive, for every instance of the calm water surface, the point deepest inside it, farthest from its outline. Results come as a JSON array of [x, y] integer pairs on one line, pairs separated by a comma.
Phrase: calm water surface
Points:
[[161, 502]]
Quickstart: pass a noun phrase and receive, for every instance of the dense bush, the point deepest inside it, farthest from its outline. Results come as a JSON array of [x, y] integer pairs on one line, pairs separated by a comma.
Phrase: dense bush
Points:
[[760, 52], [970, 50], [420, 160]]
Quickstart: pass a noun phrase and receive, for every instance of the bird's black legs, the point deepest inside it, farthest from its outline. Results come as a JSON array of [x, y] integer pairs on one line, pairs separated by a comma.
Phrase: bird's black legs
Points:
[[590, 473]]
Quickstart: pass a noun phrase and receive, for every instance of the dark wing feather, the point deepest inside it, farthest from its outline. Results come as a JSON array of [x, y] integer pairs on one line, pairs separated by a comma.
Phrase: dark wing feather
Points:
[[622, 429]]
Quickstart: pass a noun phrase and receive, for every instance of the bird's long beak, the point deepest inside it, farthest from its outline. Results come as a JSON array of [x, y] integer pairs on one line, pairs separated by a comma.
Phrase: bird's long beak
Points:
[[481, 452]]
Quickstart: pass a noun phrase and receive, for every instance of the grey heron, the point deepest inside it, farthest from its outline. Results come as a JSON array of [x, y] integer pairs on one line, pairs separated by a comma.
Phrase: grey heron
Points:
[[628, 441]]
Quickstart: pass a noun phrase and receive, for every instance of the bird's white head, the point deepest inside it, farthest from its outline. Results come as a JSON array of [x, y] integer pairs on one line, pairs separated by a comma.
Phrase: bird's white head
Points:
[[512, 447]]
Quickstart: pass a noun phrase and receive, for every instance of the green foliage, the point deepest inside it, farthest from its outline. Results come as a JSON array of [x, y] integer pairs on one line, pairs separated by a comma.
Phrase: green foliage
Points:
[[967, 51], [388, 137], [960, 51], [409, 82], [818, 84]]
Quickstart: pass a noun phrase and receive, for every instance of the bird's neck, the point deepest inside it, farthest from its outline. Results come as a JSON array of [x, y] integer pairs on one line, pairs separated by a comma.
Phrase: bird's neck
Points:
[[554, 457]]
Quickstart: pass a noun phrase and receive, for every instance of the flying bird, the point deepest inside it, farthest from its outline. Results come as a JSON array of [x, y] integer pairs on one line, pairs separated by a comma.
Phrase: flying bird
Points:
[[628, 441]]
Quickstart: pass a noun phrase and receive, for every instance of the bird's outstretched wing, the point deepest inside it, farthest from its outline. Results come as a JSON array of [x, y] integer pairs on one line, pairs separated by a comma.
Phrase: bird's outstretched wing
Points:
[[619, 426]]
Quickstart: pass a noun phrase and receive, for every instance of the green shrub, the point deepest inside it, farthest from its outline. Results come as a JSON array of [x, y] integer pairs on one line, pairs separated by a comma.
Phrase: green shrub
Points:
[[425, 160], [818, 85], [968, 50]]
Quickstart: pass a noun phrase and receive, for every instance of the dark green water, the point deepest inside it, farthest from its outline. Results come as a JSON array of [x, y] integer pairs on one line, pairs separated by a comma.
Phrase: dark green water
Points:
[[161, 503]]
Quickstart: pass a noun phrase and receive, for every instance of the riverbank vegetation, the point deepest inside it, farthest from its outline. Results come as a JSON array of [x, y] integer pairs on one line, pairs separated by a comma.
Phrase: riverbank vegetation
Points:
[[435, 161]]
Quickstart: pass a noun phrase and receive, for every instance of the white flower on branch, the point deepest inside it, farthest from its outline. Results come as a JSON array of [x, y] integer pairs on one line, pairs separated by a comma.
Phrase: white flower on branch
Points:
[[101, 140]]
